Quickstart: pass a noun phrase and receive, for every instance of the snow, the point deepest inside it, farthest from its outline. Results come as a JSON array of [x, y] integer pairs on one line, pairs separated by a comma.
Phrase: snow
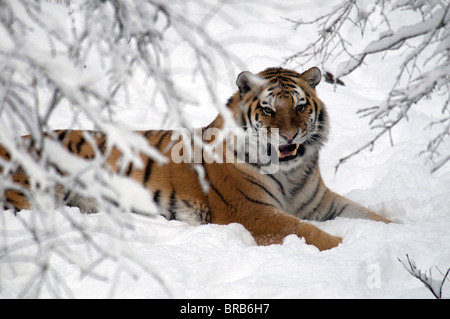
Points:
[[406, 32], [132, 256]]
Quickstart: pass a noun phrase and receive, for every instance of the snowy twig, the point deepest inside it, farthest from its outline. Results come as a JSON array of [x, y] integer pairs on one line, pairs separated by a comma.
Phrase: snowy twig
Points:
[[423, 73], [43, 58], [435, 286]]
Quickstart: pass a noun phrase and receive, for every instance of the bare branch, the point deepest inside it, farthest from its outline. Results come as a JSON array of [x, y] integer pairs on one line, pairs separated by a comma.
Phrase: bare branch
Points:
[[435, 286], [423, 73]]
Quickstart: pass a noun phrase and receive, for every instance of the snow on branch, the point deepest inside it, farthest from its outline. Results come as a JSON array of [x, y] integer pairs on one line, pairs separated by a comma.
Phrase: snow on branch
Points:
[[44, 50], [424, 72], [434, 285]]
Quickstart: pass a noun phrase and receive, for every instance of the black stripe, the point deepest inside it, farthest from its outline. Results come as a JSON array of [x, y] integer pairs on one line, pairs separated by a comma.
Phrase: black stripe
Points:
[[301, 150], [66, 196], [317, 206], [102, 146], [148, 171], [272, 72], [187, 203], [80, 144], [173, 205], [158, 145], [251, 180], [6, 156], [230, 100], [271, 89], [320, 117], [289, 82], [150, 162], [342, 209], [311, 198], [243, 122], [255, 201], [130, 169], [309, 171], [69, 147], [220, 195], [280, 185], [249, 114], [292, 86], [315, 109], [157, 197], [61, 135], [18, 194], [331, 212], [214, 188]]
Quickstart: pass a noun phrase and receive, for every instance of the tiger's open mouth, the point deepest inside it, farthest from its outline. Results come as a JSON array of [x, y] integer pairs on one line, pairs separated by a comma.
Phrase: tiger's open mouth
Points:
[[290, 151]]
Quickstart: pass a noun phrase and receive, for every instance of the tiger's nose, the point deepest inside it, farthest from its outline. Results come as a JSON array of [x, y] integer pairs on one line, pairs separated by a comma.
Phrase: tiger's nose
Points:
[[289, 135]]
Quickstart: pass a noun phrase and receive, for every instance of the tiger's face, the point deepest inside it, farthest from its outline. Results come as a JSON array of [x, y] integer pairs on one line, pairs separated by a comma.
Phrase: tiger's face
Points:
[[284, 100]]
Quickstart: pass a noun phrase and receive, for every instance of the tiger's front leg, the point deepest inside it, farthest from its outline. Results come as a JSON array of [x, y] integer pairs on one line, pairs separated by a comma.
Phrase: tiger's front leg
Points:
[[334, 205], [238, 196], [354, 210], [271, 226]]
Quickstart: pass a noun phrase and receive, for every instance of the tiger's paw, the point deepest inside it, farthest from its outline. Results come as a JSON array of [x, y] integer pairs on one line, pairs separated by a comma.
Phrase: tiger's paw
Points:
[[321, 239], [329, 243]]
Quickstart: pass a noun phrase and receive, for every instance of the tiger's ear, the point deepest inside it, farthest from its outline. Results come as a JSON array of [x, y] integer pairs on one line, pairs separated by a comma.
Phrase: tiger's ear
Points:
[[312, 77], [247, 81]]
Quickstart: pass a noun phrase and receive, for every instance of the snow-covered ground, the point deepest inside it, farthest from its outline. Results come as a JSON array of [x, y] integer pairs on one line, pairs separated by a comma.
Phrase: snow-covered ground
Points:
[[157, 258]]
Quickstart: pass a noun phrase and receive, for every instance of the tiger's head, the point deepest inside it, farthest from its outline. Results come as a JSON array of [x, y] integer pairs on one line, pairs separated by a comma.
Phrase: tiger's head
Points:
[[285, 100]]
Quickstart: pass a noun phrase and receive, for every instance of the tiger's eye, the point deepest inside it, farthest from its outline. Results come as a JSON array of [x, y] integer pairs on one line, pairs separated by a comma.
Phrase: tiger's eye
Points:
[[268, 111], [300, 108]]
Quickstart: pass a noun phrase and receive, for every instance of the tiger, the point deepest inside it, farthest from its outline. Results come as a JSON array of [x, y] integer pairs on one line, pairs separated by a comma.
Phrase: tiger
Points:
[[284, 106]]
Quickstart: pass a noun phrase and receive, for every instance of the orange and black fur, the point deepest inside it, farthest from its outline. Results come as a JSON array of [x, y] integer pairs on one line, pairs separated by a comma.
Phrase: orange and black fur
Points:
[[271, 206]]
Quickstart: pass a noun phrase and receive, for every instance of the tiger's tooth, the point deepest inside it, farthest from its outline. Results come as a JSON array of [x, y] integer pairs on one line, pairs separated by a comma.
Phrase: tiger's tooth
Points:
[[296, 149]]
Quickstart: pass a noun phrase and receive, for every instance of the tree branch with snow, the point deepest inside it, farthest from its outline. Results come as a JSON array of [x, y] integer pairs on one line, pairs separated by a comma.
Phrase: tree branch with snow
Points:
[[44, 51], [434, 285], [424, 46]]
